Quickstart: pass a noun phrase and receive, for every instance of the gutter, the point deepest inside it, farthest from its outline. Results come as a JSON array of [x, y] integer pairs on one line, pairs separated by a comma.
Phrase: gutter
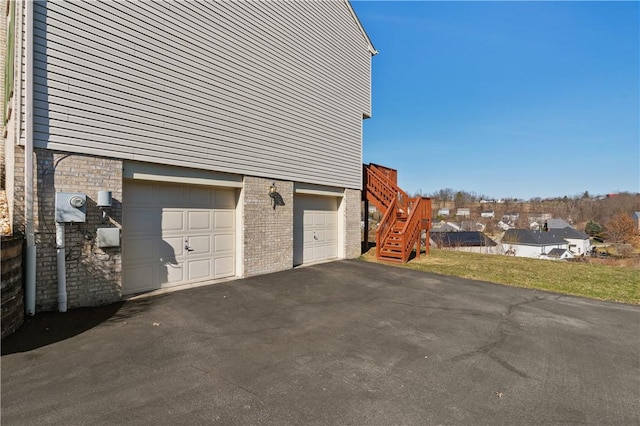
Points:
[[30, 269]]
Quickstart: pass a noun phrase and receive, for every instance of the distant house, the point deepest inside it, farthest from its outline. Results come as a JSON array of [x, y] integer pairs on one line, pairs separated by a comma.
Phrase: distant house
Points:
[[488, 213], [510, 216], [468, 241], [578, 241], [527, 243], [556, 223], [463, 211], [444, 212], [559, 254], [636, 222], [443, 226], [504, 226], [470, 225], [539, 217]]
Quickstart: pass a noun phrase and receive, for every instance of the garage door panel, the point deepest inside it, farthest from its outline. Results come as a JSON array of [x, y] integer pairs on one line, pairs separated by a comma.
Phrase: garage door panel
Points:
[[172, 273], [139, 250], [201, 197], [315, 228], [198, 220], [224, 266], [140, 278], [170, 196], [200, 268], [223, 219], [139, 195], [172, 220], [199, 245], [170, 248], [141, 221], [222, 243], [225, 199], [166, 217]]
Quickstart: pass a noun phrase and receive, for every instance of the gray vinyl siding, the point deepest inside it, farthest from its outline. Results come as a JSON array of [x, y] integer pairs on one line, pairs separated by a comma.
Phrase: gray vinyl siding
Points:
[[270, 89]]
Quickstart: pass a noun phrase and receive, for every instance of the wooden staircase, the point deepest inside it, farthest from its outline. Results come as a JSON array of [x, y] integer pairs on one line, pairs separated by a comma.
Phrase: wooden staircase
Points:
[[404, 219]]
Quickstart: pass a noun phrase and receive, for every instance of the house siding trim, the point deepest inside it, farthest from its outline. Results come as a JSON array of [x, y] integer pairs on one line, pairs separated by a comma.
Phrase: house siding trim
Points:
[[163, 173]]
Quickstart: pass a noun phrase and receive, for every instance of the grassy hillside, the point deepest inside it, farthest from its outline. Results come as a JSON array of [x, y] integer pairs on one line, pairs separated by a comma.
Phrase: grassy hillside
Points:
[[597, 281]]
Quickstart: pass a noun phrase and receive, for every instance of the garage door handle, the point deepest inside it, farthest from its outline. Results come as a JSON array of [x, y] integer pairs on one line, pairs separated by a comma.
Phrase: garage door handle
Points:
[[187, 248], [315, 237]]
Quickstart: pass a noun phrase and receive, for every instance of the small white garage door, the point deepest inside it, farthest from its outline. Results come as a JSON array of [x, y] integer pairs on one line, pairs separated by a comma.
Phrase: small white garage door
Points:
[[176, 234], [315, 229]]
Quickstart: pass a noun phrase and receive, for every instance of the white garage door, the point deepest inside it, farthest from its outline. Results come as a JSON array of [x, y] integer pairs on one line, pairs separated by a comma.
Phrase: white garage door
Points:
[[176, 234], [315, 229]]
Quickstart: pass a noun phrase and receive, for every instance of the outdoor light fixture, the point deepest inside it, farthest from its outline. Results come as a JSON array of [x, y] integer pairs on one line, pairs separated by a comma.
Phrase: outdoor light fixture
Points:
[[104, 204], [273, 190]]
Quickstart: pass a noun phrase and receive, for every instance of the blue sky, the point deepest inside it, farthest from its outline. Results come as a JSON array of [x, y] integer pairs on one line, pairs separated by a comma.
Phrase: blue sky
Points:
[[505, 99]]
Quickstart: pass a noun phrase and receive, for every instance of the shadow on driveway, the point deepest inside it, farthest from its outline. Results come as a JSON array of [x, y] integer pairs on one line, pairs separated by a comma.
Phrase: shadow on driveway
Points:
[[46, 328]]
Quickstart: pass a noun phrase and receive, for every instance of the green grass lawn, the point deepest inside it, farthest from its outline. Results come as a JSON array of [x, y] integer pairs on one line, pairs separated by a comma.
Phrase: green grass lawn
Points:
[[604, 282]]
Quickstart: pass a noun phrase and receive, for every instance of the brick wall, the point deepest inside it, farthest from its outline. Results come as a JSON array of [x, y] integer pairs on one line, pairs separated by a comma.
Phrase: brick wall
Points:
[[93, 274], [268, 233], [352, 211]]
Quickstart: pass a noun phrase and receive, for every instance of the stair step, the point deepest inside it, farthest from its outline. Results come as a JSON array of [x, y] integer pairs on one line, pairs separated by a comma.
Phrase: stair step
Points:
[[391, 259], [391, 250]]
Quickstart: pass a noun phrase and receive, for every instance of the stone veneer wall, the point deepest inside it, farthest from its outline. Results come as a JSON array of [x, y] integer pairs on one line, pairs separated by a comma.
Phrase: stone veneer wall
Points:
[[3, 54], [94, 275], [12, 286], [268, 232], [353, 214]]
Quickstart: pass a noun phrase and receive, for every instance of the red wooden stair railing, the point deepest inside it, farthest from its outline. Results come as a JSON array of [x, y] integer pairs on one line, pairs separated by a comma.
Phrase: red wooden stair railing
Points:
[[404, 217]]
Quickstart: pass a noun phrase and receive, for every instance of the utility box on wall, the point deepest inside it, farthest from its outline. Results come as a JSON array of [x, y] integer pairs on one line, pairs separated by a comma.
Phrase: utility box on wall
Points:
[[108, 237], [71, 207]]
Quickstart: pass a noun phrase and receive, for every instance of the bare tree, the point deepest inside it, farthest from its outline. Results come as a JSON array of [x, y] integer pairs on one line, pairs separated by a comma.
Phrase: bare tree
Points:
[[620, 229]]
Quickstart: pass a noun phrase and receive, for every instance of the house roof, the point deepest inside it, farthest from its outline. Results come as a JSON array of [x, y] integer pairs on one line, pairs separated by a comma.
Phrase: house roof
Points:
[[444, 227], [569, 232], [464, 239], [531, 238], [556, 252], [557, 224]]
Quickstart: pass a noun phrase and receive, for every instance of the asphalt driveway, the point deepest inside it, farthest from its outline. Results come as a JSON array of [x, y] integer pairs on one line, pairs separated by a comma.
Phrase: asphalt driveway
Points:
[[347, 342]]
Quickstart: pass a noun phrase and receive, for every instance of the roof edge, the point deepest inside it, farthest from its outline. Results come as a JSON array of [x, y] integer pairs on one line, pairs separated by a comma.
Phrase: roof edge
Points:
[[370, 47]]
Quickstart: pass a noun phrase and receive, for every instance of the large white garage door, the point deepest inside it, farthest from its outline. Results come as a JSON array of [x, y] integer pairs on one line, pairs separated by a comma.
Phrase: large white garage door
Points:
[[176, 234], [315, 229]]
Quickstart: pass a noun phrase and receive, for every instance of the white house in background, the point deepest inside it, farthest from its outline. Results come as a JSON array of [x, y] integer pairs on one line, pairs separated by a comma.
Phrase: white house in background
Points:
[[488, 214], [463, 211], [579, 243], [510, 216], [229, 135], [504, 226], [527, 243], [444, 212]]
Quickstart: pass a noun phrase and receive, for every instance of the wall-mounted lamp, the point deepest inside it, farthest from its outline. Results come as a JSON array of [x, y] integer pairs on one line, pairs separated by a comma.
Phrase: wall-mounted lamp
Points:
[[104, 204], [273, 190]]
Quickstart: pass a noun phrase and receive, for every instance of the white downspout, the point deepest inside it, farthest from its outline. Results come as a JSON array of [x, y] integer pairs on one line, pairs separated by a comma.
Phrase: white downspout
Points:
[[30, 270], [62, 276]]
